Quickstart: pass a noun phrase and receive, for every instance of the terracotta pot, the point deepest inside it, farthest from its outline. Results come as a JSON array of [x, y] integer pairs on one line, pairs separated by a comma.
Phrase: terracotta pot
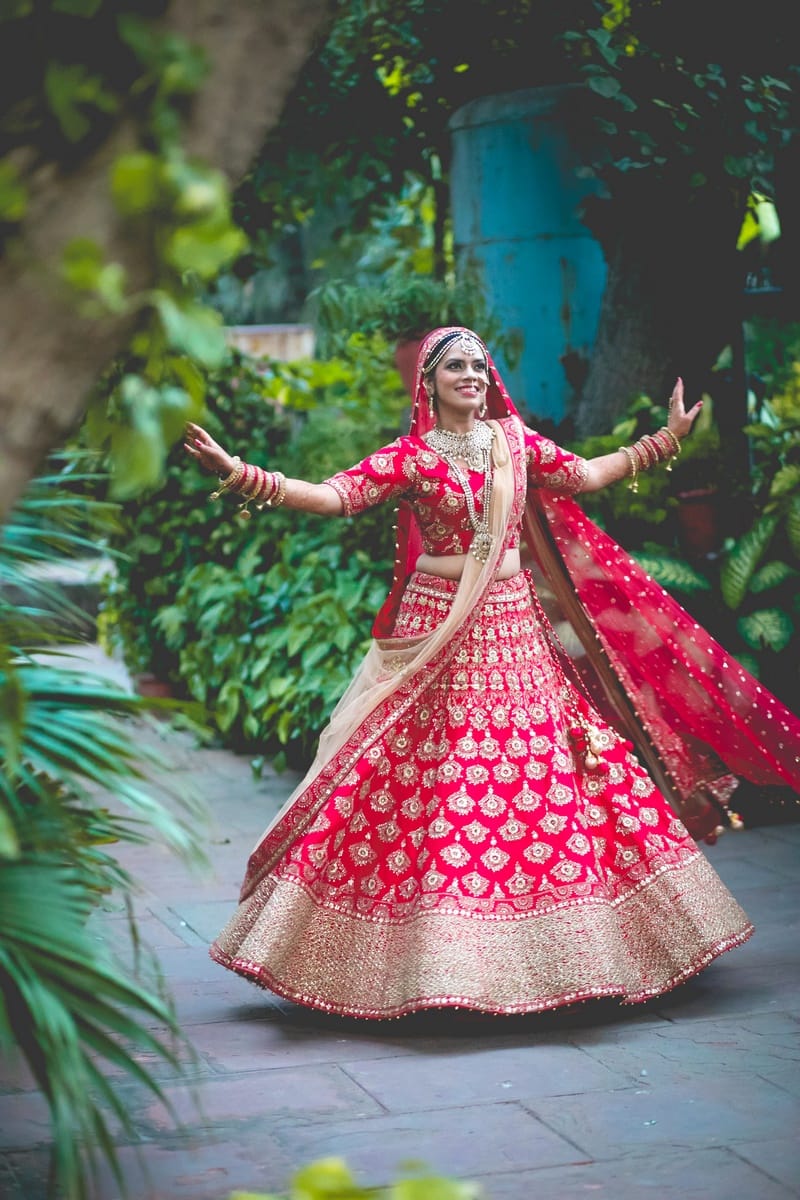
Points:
[[152, 687], [698, 521], [405, 359]]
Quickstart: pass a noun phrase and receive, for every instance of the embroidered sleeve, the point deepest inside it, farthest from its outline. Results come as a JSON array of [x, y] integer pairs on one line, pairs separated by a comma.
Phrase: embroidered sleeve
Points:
[[382, 476], [553, 468]]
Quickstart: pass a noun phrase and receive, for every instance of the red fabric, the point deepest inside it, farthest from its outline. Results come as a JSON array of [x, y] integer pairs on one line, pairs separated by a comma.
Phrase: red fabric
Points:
[[703, 712], [459, 851], [705, 717], [407, 469]]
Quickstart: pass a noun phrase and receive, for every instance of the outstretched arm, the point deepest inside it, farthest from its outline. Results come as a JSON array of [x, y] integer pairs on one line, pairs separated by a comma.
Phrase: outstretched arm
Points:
[[609, 468], [318, 498]]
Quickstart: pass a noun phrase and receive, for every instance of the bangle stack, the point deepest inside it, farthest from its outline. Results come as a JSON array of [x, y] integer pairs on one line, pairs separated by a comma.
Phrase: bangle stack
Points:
[[653, 448], [264, 488]]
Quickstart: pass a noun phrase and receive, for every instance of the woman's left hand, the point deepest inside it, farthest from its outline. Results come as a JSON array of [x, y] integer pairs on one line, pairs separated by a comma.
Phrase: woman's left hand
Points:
[[679, 420]]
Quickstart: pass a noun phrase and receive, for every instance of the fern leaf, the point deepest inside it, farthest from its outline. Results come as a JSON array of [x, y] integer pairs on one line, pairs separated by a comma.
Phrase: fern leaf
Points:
[[672, 573], [740, 565], [767, 629]]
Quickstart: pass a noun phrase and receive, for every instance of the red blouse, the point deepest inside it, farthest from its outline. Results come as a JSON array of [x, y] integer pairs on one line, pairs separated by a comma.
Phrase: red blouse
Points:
[[409, 470]]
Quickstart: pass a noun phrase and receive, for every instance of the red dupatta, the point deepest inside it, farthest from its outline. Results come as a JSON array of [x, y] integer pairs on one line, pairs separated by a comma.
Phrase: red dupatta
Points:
[[698, 719]]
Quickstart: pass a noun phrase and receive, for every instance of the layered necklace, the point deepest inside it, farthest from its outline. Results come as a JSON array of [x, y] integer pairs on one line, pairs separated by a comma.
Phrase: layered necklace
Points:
[[474, 448]]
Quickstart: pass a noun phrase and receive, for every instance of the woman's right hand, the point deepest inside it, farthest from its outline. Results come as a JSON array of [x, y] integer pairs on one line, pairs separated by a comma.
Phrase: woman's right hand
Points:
[[208, 453]]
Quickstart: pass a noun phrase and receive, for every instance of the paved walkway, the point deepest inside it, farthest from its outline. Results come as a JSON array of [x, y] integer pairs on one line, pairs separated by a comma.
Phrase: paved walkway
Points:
[[696, 1095]]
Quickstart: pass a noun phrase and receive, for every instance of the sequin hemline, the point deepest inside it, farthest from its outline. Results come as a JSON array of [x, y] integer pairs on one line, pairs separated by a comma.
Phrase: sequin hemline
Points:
[[326, 968]]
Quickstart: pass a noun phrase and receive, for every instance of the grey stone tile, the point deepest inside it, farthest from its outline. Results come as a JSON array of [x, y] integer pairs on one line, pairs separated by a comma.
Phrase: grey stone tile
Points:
[[700, 1175], [206, 918], [741, 874], [187, 1168], [15, 1074], [727, 988], [189, 964], [24, 1121], [481, 1076], [701, 1112], [462, 1142], [778, 1157], [227, 997], [305, 1093], [786, 1076], [256, 1045], [686, 1049]]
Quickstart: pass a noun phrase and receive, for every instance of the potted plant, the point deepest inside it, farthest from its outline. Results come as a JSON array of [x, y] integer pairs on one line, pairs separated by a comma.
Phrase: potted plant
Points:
[[403, 309]]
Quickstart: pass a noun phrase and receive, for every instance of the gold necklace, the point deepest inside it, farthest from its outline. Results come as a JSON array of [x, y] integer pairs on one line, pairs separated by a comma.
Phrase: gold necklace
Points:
[[475, 448], [468, 446]]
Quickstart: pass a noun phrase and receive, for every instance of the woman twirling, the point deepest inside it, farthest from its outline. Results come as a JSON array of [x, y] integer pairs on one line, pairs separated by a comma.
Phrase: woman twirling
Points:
[[486, 823]]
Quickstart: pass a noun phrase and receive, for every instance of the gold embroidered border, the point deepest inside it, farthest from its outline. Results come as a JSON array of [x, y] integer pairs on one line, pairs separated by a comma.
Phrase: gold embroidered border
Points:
[[642, 946]]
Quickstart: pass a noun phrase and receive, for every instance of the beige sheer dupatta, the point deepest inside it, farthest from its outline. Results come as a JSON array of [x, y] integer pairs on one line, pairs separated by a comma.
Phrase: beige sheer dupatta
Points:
[[391, 672]]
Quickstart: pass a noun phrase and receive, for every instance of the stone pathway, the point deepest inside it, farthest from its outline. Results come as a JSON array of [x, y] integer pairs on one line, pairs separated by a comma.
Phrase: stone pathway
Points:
[[695, 1095]]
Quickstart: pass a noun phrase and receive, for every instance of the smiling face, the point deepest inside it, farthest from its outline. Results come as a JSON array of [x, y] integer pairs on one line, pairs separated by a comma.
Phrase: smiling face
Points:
[[460, 380]]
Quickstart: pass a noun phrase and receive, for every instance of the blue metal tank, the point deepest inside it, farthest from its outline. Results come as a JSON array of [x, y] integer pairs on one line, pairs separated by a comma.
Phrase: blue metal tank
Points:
[[516, 188]]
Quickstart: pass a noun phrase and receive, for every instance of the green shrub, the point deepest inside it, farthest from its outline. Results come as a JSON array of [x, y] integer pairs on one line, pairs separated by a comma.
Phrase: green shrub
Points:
[[263, 621]]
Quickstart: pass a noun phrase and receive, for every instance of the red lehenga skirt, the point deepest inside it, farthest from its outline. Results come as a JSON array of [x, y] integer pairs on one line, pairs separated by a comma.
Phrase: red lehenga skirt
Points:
[[467, 857]]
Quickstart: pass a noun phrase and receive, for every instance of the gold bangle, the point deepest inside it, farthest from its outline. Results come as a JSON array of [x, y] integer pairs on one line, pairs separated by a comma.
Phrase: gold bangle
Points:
[[230, 480], [633, 486], [676, 441], [279, 494]]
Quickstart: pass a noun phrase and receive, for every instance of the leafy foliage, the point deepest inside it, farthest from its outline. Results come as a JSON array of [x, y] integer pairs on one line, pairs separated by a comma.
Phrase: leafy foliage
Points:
[[264, 621], [331, 1179], [68, 72], [672, 573], [68, 746], [745, 583]]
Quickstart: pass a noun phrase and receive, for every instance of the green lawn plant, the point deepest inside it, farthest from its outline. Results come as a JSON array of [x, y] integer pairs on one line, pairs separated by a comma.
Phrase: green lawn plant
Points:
[[263, 621], [75, 781]]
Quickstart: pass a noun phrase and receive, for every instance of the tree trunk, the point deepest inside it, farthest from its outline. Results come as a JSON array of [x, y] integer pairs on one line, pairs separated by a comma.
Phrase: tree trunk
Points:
[[49, 356], [673, 298]]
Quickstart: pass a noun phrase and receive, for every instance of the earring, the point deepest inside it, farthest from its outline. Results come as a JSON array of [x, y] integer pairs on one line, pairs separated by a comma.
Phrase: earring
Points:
[[482, 409], [431, 409]]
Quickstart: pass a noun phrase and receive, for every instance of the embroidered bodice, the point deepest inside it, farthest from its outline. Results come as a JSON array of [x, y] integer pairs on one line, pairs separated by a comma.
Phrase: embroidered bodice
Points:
[[409, 470]]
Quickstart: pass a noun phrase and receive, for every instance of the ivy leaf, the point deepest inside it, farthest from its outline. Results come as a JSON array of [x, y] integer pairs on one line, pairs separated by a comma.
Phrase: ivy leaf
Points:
[[769, 628], [325, 1177], [605, 85], [194, 329], [137, 456], [84, 268], [739, 566], [204, 247], [136, 183], [69, 89], [13, 194]]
